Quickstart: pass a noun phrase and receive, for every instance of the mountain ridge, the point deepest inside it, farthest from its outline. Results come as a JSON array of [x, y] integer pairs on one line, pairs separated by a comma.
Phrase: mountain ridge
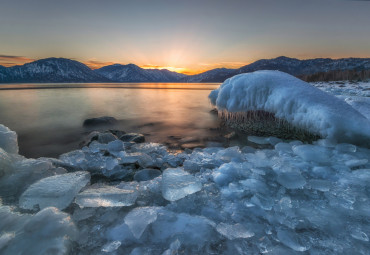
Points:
[[67, 70]]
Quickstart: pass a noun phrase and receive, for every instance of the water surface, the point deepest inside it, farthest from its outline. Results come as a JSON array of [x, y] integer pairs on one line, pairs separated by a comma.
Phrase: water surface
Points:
[[48, 117]]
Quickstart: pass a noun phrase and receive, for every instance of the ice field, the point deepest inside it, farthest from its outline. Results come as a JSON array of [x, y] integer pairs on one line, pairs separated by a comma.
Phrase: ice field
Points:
[[138, 198]]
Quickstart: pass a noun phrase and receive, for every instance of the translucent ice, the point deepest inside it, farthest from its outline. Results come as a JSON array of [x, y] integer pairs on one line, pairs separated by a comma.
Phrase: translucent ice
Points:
[[57, 191], [47, 232], [232, 232], [146, 174], [106, 196], [292, 240], [291, 179], [8, 140], [139, 218], [312, 153], [177, 184]]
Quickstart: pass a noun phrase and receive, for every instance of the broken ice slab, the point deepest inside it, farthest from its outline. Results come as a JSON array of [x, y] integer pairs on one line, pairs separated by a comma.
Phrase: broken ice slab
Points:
[[293, 240], [259, 140], [47, 232], [111, 246], [177, 184], [291, 179], [143, 159], [139, 218], [57, 191], [313, 153], [106, 196], [8, 140], [235, 231], [146, 174], [356, 162]]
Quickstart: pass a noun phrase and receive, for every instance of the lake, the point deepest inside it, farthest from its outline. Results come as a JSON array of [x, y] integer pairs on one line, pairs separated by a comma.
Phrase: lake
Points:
[[48, 118]]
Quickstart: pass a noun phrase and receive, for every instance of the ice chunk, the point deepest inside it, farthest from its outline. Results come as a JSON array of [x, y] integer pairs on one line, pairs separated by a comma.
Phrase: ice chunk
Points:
[[235, 231], [291, 179], [120, 232], [21, 174], [321, 185], [5, 163], [229, 172], [345, 147], [146, 174], [259, 140], [263, 201], [111, 246], [139, 218], [106, 196], [283, 147], [357, 233], [177, 184], [189, 229], [47, 232], [57, 191], [174, 247], [312, 153], [115, 146], [292, 240], [321, 172], [8, 140], [356, 162], [299, 103]]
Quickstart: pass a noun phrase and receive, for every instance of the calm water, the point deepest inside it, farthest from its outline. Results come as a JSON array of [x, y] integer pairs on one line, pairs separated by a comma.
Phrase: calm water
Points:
[[48, 117]]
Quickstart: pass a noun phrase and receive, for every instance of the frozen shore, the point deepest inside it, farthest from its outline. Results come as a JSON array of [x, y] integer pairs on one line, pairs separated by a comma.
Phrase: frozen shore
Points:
[[116, 197]]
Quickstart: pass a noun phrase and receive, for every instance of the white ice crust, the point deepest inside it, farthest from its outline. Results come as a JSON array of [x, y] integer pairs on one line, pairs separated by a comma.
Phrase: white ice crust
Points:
[[294, 100]]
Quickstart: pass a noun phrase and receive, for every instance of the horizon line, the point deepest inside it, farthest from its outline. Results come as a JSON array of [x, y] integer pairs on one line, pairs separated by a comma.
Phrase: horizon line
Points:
[[93, 64]]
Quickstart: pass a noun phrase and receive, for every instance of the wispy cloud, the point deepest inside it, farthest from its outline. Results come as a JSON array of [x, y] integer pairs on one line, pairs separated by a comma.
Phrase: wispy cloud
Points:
[[95, 64], [9, 60], [224, 64]]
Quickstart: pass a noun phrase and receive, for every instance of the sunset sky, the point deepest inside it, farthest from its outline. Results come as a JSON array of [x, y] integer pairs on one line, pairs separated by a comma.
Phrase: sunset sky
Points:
[[187, 36]]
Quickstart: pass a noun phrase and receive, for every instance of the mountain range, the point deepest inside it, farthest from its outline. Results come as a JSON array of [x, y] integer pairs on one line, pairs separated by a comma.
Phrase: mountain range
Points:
[[66, 70]]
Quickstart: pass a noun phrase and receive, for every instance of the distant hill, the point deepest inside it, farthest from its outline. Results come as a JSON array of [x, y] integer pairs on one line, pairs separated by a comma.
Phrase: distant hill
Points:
[[133, 73], [305, 69], [50, 70], [66, 70]]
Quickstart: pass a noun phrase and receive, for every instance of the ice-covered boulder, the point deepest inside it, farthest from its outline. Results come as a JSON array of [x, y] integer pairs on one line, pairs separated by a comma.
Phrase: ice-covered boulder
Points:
[[57, 191], [280, 96], [8, 140]]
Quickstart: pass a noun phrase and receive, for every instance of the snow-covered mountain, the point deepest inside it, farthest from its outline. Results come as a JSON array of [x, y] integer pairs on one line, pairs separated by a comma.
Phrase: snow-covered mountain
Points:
[[66, 70], [133, 73], [50, 70], [288, 65], [214, 75]]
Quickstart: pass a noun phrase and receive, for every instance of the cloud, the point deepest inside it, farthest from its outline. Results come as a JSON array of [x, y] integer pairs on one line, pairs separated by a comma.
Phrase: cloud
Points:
[[95, 64], [224, 64], [9, 60]]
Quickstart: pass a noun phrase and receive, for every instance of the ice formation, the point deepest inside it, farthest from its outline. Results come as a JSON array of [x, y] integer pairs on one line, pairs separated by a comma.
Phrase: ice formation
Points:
[[288, 198], [280, 96], [47, 232], [177, 183], [57, 191], [106, 197]]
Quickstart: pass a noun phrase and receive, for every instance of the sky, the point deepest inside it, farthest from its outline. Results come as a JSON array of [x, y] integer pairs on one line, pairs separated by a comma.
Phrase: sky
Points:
[[188, 36]]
